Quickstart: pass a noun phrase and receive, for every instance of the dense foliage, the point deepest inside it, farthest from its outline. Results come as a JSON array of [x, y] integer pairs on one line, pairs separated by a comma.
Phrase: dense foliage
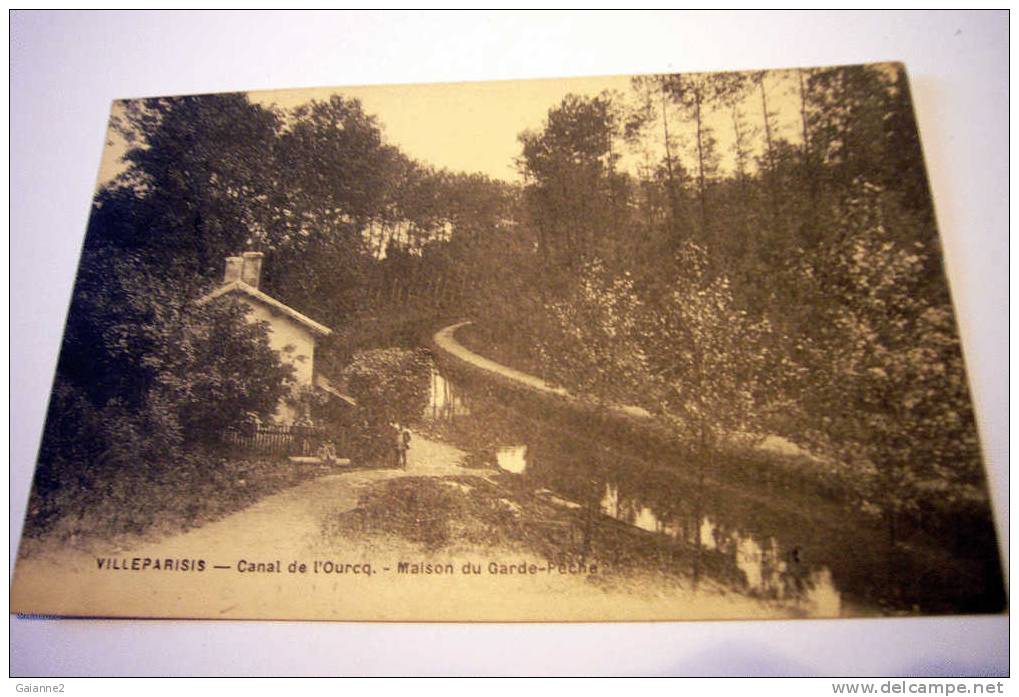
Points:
[[146, 380], [798, 292], [740, 255], [391, 387]]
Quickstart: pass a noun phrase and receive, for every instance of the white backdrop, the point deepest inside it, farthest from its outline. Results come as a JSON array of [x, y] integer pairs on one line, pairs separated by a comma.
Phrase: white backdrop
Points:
[[66, 68]]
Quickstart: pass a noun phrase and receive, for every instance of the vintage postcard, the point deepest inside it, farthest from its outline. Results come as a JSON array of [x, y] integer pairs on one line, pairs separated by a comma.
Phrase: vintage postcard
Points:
[[662, 347]]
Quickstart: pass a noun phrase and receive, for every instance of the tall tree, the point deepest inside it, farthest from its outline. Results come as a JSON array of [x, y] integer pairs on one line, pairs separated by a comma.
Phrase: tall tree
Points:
[[696, 94], [886, 390], [201, 170], [652, 112], [571, 182]]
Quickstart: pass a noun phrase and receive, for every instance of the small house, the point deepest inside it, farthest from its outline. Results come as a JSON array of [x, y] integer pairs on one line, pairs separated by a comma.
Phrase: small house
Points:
[[292, 335]]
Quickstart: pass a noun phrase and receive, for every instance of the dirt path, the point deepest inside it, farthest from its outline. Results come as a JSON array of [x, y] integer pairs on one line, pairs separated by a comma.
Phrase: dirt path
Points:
[[286, 525], [290, 528], [290, 522]]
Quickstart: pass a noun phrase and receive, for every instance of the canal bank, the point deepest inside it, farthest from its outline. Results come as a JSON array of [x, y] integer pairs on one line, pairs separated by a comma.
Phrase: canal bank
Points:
[[767, 460], [768, 529]]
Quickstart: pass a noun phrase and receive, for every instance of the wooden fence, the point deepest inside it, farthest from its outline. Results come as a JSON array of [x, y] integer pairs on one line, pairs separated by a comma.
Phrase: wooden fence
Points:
[[282, 441]]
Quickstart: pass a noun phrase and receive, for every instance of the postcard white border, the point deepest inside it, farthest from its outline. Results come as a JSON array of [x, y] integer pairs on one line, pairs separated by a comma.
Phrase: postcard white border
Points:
[[66, 68]]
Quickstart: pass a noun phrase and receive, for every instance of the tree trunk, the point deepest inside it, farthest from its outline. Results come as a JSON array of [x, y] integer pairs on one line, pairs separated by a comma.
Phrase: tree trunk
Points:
[[701, 185], [812, 182], [769, 158], [668, 169]]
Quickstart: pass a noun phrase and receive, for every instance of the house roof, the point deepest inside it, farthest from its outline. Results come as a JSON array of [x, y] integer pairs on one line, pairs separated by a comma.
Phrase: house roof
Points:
[[322, 382], [256, 294]]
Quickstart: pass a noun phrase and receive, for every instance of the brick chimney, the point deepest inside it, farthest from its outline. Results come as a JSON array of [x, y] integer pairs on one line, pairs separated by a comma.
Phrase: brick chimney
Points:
[[233, 269], [251, 270]]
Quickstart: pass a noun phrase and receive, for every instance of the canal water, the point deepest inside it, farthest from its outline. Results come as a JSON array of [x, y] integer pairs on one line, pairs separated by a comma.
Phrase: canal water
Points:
[[791, 547]]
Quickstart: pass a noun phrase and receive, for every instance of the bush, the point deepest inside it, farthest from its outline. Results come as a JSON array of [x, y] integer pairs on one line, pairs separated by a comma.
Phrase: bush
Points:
[[391, 387], [144, 377]]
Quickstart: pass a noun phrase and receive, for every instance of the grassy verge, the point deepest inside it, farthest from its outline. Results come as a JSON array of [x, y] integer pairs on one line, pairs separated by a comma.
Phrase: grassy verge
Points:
[[130, 504], [503, 513]]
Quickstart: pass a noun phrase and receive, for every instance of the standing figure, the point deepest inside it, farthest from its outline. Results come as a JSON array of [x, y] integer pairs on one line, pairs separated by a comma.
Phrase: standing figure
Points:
[[404, 447], [398, 448]]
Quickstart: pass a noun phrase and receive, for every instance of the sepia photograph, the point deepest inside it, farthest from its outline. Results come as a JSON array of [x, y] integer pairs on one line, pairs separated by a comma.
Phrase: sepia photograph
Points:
[[672, 346]]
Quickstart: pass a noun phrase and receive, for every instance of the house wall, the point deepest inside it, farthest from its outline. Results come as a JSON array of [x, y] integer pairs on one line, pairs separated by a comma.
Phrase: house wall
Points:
[[294, 343]]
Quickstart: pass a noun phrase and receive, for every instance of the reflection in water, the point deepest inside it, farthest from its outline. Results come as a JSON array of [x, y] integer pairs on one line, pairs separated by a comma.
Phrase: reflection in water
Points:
[[822, 596], [646, 520], [610, 502], [630, 512], [512, 458], [566, 468], [750, 560], [764, 571], [786, 546], [708, 534]]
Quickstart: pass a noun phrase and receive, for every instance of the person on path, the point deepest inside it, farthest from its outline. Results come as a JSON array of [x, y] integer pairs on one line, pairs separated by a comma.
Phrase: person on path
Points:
[[402, 446]]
